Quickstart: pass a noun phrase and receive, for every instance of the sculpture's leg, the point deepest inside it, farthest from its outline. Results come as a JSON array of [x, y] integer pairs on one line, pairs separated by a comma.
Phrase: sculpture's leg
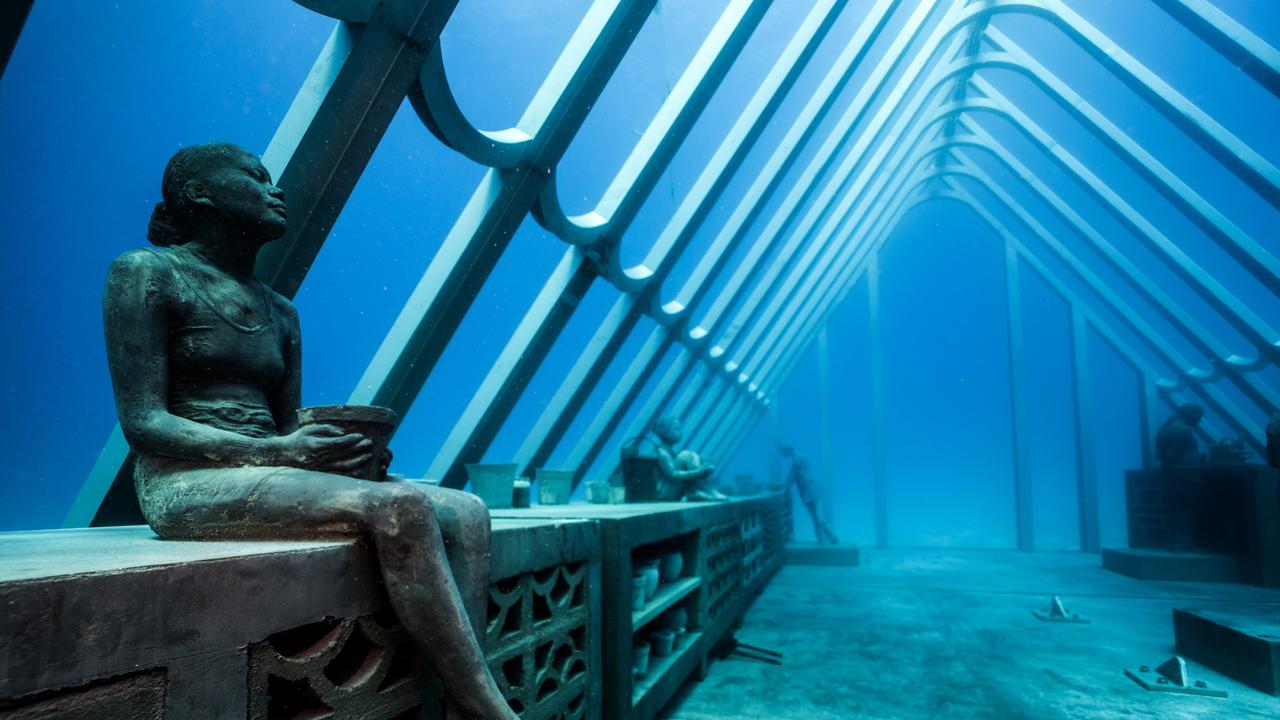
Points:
[[428, 602], [465, 527], [258, 502]]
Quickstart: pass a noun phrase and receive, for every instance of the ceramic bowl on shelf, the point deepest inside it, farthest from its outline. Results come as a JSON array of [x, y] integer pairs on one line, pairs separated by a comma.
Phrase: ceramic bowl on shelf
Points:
[[650, 570], [639, 590], [640, 660], [670, 566], [662, 643]]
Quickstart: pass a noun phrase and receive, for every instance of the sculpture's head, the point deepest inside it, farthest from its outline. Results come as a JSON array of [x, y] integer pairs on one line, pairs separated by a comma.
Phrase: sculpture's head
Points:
[[668, 429], [787, 451], [219, 183], [1190, 414]]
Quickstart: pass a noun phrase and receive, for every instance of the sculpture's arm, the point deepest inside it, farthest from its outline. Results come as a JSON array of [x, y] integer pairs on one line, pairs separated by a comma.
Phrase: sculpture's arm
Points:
[[136, 317], [667, 463], [287, 397]]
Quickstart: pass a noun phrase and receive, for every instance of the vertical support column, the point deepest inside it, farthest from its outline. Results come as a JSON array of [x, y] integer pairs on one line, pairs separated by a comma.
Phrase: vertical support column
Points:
[[879, 477], [1086, 472], [1148, 408], [775, 442], [824, 422], [1022, 499]]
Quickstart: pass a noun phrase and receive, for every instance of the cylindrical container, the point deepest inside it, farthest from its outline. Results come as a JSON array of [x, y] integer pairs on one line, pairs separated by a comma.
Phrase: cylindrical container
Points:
[[670, 565], [639, 589], [520, 498], [663, 642], [617, 494], [650, 570], [493, 482], [554, 486], [598, 492], [641, 661], [375, 423], [677, 619]]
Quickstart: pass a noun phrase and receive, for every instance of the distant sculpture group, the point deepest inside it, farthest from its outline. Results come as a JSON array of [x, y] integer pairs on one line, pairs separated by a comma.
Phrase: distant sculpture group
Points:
[[205, 362], [654, 460], [1176, 443]]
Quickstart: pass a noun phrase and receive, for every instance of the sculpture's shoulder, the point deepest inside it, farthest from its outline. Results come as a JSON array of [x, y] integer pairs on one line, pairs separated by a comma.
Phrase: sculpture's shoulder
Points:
[[140, 266], [284, 306]]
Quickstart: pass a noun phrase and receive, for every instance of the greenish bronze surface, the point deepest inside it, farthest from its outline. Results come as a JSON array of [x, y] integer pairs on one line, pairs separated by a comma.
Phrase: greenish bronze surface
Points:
[[206, 365]]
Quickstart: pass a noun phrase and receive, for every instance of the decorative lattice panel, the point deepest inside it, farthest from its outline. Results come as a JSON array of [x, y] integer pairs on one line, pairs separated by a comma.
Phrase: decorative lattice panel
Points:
[[753, 547], [537, 641], [722, 547], [363, 668]]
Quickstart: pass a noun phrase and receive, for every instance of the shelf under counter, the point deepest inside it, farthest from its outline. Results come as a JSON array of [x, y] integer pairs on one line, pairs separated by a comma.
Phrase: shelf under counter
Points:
[[666, 597]]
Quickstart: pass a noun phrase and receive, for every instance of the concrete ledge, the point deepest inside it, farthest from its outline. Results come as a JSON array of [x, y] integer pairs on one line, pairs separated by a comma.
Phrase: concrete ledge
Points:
[[1240, 644], [804, 553], [221, 628], [1163, 565]]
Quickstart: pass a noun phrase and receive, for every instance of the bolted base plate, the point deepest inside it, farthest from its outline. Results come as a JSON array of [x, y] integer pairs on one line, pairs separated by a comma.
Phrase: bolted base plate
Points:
[[1172, 677]]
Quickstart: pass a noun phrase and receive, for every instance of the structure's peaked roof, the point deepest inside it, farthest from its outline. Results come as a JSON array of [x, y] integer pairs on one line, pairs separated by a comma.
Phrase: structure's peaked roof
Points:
[[853, 161]]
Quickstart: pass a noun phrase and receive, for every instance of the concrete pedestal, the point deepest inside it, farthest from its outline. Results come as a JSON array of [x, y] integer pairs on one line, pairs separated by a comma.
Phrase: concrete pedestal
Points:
[[1241, 644], [1164, 565]]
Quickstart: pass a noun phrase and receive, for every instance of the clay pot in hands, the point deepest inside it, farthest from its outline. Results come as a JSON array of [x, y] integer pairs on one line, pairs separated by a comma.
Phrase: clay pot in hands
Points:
[[371, 421]]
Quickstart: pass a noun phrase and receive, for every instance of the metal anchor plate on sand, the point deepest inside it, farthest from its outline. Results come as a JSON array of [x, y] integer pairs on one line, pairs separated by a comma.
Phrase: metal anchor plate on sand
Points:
[[1172, 676], [1057, 612]]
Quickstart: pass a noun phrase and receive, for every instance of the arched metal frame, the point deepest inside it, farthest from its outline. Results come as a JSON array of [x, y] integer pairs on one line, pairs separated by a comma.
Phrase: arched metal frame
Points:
[[891, 150]]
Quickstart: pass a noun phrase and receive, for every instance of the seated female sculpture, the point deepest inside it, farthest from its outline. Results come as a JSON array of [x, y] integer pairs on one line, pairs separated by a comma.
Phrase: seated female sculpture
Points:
[[682, 474], [1176, 443], [206, 365]]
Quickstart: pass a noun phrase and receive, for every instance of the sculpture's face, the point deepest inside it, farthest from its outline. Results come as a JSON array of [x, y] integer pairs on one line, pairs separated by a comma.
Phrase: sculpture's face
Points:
[[241, 189], [669, 431]]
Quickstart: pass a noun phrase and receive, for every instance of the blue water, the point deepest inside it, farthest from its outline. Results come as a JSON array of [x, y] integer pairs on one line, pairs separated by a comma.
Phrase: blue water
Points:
[[98, 95]]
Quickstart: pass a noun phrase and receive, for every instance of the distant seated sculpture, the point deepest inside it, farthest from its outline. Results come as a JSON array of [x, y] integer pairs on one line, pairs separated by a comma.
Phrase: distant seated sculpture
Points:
[[1273, 441], [1176, 442], [205, 361], [802, 479], [676, 475]]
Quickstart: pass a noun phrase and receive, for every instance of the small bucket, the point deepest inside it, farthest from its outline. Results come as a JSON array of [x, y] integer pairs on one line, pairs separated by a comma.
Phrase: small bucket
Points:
[[598, 492], [554, 486], [494, 482]]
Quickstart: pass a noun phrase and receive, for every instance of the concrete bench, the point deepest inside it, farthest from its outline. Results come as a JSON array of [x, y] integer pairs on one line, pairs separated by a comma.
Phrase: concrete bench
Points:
[[115, 623]]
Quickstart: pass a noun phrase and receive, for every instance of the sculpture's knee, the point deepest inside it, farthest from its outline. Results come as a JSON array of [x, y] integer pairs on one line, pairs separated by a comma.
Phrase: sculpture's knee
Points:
[[473, 517], [400, 513]]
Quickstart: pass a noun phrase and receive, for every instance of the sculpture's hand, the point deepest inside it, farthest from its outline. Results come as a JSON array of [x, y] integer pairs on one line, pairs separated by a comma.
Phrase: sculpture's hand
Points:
[[708, 469], [324, 447]]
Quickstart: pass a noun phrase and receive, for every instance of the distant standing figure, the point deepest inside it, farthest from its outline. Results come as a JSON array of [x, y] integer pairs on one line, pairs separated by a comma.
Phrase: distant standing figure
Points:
[[1176, 443], [808, 490], [1273, 441]]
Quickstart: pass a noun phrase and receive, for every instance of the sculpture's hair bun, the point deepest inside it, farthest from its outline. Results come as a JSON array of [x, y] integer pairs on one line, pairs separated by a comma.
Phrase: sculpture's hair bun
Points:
[[172, 219], [164, 230]]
